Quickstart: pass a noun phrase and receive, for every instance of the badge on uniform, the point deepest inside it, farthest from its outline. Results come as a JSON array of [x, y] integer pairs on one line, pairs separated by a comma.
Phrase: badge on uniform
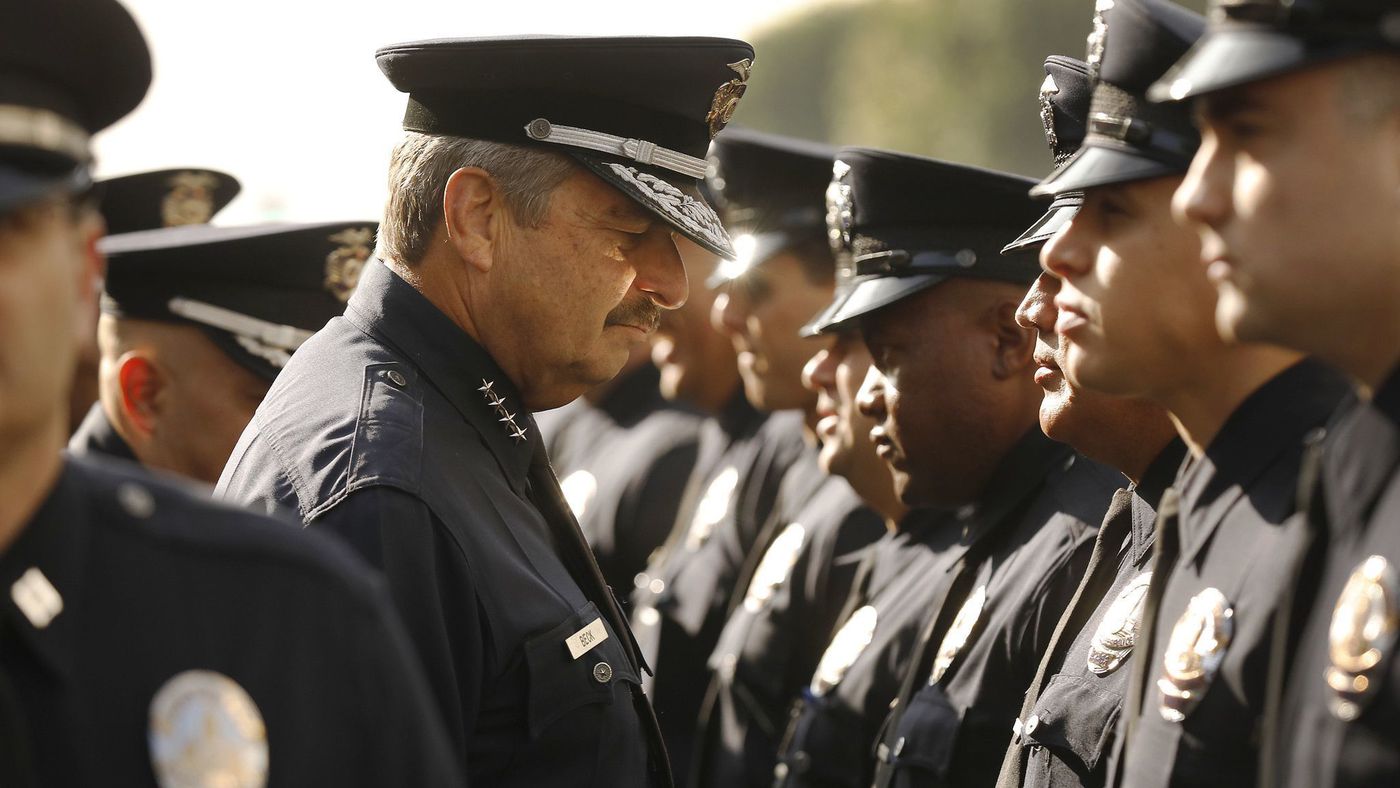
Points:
[[205, 730], [579, 488], [1117, 632], [1194, 653], [958, 634], [713, 506], [844, 650], [1364, 625], [775, 567]]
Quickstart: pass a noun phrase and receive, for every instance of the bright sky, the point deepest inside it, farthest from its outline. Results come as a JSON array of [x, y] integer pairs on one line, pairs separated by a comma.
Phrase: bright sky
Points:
[[284, 94]]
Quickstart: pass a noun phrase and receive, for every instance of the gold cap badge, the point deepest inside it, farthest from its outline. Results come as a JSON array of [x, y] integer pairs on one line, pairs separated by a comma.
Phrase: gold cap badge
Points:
[[190, 199], [1117, 632], [1364, 625], [1194, 652], [727, 97], [345, 263], [844, 650], [206, 731], [958, 633]]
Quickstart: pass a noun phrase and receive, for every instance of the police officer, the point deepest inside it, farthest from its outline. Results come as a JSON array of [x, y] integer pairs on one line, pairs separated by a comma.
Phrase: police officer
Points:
[[137, 619], [145, 201], [526, 250], [1067, 722], [196, 323], [794, 581], [1138, 318], [1301, 249]]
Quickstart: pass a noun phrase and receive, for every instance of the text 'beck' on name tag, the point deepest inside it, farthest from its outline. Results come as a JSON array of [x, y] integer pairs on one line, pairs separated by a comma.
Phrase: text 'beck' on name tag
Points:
[[583, 641]]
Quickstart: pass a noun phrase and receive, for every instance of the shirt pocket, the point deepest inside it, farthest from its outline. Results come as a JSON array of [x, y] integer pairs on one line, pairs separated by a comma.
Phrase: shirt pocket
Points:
[[925, 739], [560, 683], [1074, 719]]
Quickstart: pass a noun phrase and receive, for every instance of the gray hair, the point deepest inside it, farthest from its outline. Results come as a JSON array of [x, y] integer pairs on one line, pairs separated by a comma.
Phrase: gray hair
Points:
[[418, 172]]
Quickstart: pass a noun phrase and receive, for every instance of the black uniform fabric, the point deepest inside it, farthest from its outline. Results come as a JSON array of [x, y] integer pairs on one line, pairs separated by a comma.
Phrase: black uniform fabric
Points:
[[682, 598], [777, 630], [1358, 505], [382, 430], [1036, 529], [830, 729], [155, 582], [623, 464], [1234, 533], [97, 436], [1068, 720]]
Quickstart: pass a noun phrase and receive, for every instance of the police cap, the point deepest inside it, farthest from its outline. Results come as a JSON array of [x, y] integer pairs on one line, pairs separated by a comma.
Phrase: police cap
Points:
[[638, 112], [1249, 40], [258, 292], [908, 223], [1064, 112], [164, 198], [68, 69], [1133, 43]]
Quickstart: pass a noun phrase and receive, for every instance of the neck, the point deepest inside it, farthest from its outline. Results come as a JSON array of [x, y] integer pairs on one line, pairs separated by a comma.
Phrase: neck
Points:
[[1131, 444], [873, 483], [1201, 403], [28, 472]]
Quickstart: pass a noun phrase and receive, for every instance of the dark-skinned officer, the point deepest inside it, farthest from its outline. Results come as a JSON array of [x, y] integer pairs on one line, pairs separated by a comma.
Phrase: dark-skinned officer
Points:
[[148, 636], [526, 249]]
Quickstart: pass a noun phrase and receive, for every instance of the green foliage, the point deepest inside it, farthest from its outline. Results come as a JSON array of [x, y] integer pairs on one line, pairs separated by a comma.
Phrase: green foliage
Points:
[[952, 79]]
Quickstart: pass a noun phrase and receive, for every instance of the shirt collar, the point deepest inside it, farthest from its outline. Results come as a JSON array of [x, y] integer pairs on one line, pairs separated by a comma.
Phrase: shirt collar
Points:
[[391, 310], [97, 435], [1017, 476], [1147, 495]]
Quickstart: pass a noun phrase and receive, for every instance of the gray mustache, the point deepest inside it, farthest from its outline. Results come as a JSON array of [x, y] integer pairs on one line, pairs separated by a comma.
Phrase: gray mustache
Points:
[[642, 313]]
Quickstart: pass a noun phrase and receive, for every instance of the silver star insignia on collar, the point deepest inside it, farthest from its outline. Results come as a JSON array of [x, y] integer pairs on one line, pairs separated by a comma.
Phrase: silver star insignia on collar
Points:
[[515, 431]]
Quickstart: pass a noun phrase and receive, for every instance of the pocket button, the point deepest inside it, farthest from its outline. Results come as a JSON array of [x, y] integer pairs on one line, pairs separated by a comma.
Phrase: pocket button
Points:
[[602, 673]]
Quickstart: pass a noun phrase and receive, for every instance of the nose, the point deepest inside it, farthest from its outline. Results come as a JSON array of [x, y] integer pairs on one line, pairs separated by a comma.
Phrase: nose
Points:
[[1203, 198], [819, 373], [870, 400], [727, 315], [1065, 256], [660, 273], [1037, 309]]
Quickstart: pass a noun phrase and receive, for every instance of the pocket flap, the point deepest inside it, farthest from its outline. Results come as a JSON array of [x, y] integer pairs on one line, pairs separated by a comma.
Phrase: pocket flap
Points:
[[561, 682], [1075, 718]]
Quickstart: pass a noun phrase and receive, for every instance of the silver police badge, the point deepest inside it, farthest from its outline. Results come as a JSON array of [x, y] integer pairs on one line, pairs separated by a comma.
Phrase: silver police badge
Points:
[[775, 567], [844, 650], [1363, 631], [206, 732], [345, 263], [1048, 91], [579, 488], [190, 199], [1194, 652], [1098, 37], [958, 633], [1117, 632], [713, 506]]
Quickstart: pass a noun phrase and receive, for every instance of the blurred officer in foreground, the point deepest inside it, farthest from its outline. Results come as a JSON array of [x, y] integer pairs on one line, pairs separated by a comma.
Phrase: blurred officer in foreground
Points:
[[526, 250], [1067, 722], [137, 620], [944, 312], [146, 201], [1298, 207], [794, 580], [196, 323], [1137, 318]]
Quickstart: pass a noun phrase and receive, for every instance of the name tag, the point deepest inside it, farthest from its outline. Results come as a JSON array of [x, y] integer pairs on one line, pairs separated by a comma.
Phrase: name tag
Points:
[[584, 640]]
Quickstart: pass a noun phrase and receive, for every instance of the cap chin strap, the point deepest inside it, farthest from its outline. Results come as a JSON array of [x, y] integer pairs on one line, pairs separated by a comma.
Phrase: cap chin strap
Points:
[[640, 151], [270, 341]]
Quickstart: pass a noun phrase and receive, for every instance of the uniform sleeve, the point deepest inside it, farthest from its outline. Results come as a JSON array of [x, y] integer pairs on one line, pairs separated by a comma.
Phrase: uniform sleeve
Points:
[[431, 588]]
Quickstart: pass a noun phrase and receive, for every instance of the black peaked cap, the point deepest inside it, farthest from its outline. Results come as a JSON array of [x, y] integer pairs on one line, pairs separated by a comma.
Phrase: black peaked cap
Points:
[[1250, 40], [907, 223], [638, 112], [770, 191], [1129, 139], [1064, 113], [68, 69], [257, 291], [165, 198]]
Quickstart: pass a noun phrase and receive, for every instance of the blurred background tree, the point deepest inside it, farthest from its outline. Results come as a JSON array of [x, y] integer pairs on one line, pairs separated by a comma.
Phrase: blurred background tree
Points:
[[951, 79]]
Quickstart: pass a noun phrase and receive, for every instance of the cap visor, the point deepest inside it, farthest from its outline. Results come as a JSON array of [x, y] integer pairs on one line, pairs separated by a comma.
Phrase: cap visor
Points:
[[661, 192], [18, 187], [876, 293], [1099, 165], [1061, 212], [1230, 57], [752, 254], [822, 323]]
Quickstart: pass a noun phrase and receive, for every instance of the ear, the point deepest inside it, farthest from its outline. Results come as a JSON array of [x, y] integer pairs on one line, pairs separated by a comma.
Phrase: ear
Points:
[[141, 386], [1014, 345], [473, 209]]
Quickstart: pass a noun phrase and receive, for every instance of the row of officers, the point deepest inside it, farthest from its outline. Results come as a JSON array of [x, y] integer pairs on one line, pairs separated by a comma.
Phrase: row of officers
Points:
[[635, 451]]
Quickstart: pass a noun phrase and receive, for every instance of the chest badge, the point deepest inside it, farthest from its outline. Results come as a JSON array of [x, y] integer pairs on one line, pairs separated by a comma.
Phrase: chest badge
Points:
[[579, 488], [1194, 652], [1363, 631], [515, 431], [206, 730], [776, 566], [712, 509], [844, 650], [958, 634], [1117, 631]]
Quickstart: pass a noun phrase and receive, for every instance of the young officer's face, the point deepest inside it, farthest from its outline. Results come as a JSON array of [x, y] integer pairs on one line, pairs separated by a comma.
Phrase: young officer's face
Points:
[[1134, 302], [835, 373], [1297, 201]]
